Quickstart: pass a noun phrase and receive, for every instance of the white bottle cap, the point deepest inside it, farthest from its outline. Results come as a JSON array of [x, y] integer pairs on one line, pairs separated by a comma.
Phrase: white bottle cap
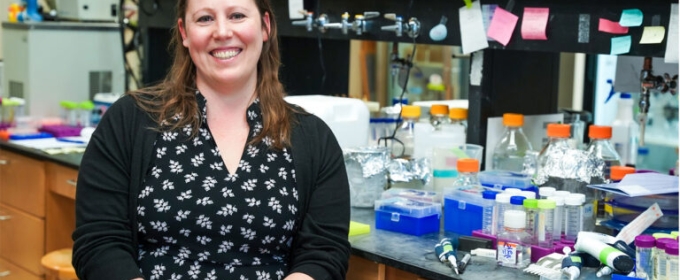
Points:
[[580, 196], [572, 201], [512, 190], [546, 191], [503, 198], [514, 219], [562, 193], [559, 201], [528, 194]]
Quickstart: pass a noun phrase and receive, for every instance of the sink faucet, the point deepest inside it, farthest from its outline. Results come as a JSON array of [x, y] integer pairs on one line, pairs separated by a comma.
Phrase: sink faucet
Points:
[[649, 83], [412, 27], [308, 22]]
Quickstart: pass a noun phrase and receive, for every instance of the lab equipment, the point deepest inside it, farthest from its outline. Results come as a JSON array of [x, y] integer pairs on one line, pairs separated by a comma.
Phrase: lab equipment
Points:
[[602, 148], [571, 265], [573, 217], [531, 209], [517, 202], [649, 83], [463, 207], [407, 216], [660, 257], [608, 255], [558, 136], [88, 10], [672, 260], [367, 174], [489, 213], [513, 243], [510, 151], [604, 271], [502, 205], [462, 264], [404, 142], [446, 252], [625, 130], [558, 218], [543, 230], [545, 192], [643, 256]]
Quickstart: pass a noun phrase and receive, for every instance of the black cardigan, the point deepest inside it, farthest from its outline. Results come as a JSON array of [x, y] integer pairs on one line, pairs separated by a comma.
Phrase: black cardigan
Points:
[[114, 165]]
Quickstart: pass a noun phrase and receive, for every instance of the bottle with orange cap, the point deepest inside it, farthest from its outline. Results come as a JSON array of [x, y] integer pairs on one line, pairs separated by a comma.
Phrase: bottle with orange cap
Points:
[[458, 121], [468, 168], [509, 154], [405, 134], [601, 147], [558, 140], [439, 116]]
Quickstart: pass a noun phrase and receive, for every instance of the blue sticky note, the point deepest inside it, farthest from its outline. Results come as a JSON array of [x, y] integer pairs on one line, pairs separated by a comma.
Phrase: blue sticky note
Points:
[[631, 17], [621, 45]]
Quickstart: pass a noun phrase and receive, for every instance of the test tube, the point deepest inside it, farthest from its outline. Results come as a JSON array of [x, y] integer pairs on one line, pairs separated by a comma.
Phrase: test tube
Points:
[[588, 213], [502, 204], [544, 223], [489, 213], [531, 207], [573, 217], [558, 220], [562, 193], [528, 194], [512, 190], [545, 192], [643, 256], [517, 203]]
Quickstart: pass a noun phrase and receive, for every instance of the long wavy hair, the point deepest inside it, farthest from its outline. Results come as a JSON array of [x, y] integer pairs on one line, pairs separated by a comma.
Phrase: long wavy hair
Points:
[[175, 95]]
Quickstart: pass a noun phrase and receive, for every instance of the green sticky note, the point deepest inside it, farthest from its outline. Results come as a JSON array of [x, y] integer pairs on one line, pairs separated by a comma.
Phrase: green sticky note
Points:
[[468, 3], [621, 45], [631, 17]]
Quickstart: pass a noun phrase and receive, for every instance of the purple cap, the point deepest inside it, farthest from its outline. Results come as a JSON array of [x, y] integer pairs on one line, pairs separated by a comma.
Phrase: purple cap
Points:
[[672, 248], [661, 242], [517, 200], [645, 241]]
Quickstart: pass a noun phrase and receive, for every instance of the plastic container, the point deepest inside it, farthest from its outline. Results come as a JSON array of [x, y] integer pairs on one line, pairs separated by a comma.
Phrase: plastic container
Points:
[[501, 180], [558, 218], [622, 210], [514, 244], [625, 130], [489, 213], [509, 152], [407, 216], [463, 209], [531, 208], [573, 217], [644, 244], [642, 160], [543, 230], [601, 147], [418, 195], [517, 202], [672, 261], [502, 205], [545, 192]]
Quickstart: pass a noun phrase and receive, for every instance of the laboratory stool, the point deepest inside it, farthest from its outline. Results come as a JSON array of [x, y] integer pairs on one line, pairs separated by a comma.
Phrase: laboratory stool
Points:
[[57, 265]]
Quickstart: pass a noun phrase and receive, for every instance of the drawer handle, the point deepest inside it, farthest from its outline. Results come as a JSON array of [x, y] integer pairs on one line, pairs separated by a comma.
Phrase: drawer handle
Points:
[[5, 273], [4, 162], [5, 218], [71, 182]]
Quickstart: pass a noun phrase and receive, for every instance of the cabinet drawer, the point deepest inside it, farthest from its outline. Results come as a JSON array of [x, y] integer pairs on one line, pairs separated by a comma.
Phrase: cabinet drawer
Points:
[[23, 183], [22, 239], [62, 180], [8, 271]]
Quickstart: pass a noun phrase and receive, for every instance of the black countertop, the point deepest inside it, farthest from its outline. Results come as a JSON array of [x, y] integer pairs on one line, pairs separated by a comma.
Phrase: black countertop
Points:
[[414, 254]]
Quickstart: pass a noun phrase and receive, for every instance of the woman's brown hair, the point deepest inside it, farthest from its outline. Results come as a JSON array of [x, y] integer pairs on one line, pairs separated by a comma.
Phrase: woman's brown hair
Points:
[[175, 95]]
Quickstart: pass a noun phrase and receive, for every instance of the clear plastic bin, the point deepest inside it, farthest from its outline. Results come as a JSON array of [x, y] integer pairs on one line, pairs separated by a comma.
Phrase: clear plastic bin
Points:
[[500, 180], [413, 194], [463, 210]]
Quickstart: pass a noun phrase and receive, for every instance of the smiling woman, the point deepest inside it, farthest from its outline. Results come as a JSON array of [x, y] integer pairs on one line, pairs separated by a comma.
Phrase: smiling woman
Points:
[[211, 174]]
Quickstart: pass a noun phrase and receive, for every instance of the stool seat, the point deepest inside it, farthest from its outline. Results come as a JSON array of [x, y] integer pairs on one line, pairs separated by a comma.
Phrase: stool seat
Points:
[[57, 265]]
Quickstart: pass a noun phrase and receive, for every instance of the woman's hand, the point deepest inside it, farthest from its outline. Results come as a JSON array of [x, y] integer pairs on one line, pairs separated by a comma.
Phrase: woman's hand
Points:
[[298, 276]]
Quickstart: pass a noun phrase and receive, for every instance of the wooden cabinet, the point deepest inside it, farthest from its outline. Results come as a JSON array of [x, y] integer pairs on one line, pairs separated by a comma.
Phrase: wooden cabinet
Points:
[[60, 220], [363, 269], [22, 216]]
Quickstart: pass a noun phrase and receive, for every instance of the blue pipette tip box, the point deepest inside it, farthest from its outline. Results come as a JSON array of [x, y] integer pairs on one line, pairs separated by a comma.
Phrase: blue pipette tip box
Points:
[[407, 216]]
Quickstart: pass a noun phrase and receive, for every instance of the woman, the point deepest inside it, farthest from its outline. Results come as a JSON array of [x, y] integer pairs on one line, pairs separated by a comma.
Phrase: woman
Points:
[[211, 174]]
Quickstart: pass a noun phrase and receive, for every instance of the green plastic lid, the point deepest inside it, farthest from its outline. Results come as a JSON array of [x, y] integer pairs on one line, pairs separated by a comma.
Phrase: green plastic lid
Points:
[[531, 203], [674, 233], [663, 235], [68, 104], [86, 105], [436, 87], [546, 204]]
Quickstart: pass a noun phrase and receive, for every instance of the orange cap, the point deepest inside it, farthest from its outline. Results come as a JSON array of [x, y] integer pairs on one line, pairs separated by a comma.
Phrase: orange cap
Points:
[[559, 130], [617, 172], [600, 132], [510, 119], [410, 111], [458, 113], [468, 165], [439, 109]]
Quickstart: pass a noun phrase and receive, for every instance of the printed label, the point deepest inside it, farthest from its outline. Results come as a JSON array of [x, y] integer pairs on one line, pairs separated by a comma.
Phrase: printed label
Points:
[[507, 252], [587, 210]]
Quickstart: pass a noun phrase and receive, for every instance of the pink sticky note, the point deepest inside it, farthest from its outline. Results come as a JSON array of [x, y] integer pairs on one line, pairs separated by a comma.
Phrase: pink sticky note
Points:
[[534, 23], [502, 25], [612, 27]]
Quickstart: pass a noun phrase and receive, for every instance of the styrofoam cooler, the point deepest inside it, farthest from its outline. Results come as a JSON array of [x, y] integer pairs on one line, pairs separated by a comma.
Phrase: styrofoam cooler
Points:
[[348, 118]]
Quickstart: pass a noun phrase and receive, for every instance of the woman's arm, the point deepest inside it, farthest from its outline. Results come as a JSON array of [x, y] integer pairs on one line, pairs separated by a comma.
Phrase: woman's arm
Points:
[[103, 237]]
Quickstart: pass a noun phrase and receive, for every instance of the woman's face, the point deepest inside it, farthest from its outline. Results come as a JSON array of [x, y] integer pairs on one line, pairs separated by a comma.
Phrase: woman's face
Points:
[[224, 38]]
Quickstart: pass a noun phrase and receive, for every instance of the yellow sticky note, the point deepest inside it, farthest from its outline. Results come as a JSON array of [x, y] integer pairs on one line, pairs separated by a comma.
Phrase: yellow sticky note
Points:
[[468, 3], [653, 35]]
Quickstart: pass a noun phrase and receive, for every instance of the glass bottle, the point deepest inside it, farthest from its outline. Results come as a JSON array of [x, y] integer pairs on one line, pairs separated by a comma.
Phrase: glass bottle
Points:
[[510, 151], [439, 116], [513, 243], [602, 148], [458, 120], [406, 132], [467, 172], [558, 140]]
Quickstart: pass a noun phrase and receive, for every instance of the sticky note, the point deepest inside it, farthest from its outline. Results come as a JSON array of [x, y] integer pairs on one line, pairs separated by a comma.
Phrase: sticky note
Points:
[[672, 41], [534, 23], [294, 8], [487, 15], [621, 45], [631, 17], [653, 35], [502, 25], [609, 26], [471, 26]]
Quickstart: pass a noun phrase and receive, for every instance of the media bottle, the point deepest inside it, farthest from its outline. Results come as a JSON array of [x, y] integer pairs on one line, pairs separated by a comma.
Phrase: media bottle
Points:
[[513, 243], [558, 140], [509, 153], [406, 132], [625, 131], [602, 148]]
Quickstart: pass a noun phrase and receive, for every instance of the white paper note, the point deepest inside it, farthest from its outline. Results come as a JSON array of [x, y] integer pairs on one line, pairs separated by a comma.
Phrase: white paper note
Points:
[[294, 8], [472, 33], [476, 68], [672, 41]]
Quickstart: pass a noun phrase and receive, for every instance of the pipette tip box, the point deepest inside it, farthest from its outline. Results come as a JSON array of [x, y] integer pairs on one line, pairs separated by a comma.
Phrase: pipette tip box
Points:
[[407, 216]]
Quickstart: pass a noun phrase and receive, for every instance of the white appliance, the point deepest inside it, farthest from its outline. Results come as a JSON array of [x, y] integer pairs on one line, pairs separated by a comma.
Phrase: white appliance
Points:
[[47, 62], [88, 10], [348, 118]]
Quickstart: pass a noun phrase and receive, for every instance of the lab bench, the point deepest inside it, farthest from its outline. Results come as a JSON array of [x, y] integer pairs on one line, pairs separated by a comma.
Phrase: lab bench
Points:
[[38, 192]]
